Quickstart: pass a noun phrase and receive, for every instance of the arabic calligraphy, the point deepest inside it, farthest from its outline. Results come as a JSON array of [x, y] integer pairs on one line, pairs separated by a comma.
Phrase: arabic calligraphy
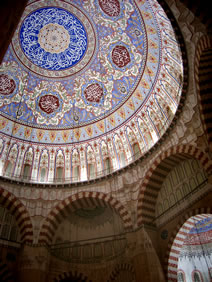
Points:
[[53, 38], [120, 56], [110, 7], [7, 84], [93, 93], [49, 103]]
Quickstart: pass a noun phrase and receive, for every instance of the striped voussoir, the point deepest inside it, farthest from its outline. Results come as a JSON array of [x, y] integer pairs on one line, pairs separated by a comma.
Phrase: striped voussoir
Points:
[[75, 275], [78, 201], [120, 267], [18, 210], [156, 175], [177, 239], [5, 273], [202, 72]]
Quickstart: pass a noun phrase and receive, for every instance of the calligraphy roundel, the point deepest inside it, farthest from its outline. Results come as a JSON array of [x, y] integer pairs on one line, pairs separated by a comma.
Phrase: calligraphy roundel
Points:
[[54, 41], [93, 93], [120, 56], [49, 103], [110, 7], [7, 84]]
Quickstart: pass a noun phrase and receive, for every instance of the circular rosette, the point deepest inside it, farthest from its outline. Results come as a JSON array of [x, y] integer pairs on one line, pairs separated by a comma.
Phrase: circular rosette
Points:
[[123, 59], [94, 96], [49, 104], [11, 83], [61, 42], [54, 42]]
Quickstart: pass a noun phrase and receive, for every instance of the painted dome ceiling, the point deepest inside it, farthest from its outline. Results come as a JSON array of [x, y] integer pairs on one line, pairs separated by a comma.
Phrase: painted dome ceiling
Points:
[[86, 86]]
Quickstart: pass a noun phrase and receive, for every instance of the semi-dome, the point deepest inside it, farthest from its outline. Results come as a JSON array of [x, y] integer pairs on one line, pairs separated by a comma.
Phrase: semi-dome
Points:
[[86, 89]]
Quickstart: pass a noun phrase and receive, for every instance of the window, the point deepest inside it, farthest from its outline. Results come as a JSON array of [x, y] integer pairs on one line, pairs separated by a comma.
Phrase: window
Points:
[[75, 173], [180, 276], [210, 273], [136, 150], [91, 171], [59, 173], [26, 171], [196, 276], [8, 170], [107, 166], [43, 174], [8, 226], [122, 159]]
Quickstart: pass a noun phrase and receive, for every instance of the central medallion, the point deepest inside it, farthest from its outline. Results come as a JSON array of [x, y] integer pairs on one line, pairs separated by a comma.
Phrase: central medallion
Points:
[[55, 42], [54, 38]]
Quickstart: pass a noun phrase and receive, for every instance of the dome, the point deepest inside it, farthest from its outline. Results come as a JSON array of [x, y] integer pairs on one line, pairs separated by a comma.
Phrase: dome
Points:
[[196, 252], [86, 89]]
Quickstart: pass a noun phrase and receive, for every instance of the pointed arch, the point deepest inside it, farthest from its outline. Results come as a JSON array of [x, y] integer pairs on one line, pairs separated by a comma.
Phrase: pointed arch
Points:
[[43, 167], [27, 163], [10, 163], [18, 210], [202, 73], [91, 162], [78, 276], [5, 273], [119, 151], [122, 267], [177, 239], [75, 165], [59, 174], [155, 176], [106, 159], [74, 202]]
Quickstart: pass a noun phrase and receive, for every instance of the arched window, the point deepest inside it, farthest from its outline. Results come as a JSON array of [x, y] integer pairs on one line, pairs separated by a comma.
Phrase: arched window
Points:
[[8, 226], [196, 276], [91, 171], [8, 169], [136, 150], [210, 273], [107, 166], [60, 163], [43, 174], [75, 163], [44, 164], [59, 174], [75, 173], [26, 171], [122, 159], [181, 276]]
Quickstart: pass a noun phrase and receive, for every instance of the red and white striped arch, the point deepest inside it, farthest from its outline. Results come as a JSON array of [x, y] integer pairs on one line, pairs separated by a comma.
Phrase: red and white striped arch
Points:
[[18, 210], [5, 273], [156, 175], [202, 73], [77, 201], [72, 275], [177, 239], [121, 267]]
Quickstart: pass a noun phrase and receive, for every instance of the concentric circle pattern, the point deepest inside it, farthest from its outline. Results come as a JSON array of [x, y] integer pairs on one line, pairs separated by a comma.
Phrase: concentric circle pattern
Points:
[[53, 38], [86, 87]]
